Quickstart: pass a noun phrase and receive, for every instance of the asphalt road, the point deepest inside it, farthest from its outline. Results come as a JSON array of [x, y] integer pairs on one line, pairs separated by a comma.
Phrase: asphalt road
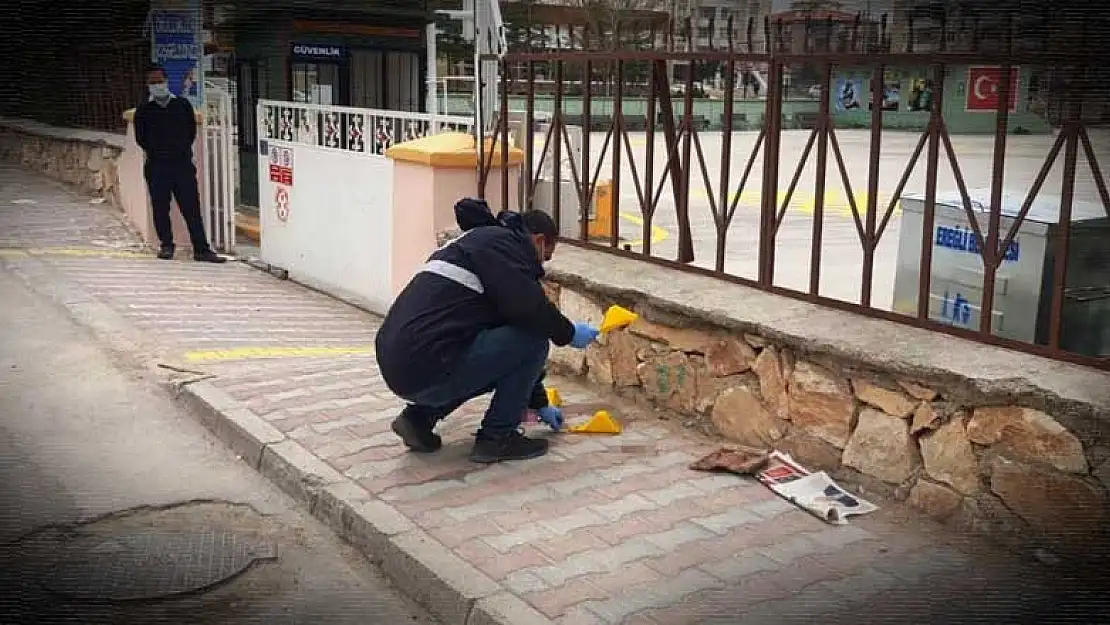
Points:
[[93, 449]]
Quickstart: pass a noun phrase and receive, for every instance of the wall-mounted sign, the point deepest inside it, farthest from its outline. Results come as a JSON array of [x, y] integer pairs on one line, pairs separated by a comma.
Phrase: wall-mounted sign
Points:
[[318, 52], [281, 165], [281, 203], [177, 45], [984, 85]]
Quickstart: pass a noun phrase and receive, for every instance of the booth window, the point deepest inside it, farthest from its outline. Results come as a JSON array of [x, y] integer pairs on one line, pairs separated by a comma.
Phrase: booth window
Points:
[[315, 83]]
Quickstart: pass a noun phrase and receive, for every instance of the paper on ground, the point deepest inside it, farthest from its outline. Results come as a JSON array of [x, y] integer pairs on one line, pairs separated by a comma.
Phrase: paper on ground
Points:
[[815, 493]]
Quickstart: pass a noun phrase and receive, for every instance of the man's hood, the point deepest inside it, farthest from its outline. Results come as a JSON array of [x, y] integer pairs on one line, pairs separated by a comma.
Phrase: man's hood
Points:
[[473, 213]]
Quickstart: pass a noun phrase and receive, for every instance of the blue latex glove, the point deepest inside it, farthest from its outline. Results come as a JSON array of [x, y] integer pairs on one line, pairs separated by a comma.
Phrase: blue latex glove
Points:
[[552, 416], [584, 334]]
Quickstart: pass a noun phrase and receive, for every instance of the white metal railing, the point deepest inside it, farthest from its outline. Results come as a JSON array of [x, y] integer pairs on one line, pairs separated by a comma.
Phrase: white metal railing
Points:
[[368, 132], [220, 169]]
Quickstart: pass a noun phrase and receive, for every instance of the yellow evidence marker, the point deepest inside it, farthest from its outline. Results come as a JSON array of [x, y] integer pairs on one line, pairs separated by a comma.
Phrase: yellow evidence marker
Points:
[[554, 399], [617, 317], [600, 423]]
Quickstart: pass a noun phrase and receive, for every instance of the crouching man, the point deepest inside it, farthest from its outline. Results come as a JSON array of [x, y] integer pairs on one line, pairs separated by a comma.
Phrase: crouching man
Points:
[[475, 320]]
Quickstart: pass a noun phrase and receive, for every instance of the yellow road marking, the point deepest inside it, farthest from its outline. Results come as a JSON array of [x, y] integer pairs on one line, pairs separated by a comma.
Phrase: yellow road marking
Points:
[[657, 234], [72, 251], [804, 202], [254, 353]]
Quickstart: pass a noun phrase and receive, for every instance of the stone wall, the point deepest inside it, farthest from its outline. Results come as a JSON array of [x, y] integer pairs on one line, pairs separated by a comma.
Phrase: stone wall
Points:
[[87, 160], [997, 464]]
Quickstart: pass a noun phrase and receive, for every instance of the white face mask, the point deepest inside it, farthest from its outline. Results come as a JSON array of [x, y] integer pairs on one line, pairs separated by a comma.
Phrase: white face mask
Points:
[[159, 91]]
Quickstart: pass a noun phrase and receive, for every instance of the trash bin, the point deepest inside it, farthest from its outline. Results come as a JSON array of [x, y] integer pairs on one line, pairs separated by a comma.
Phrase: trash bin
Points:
[[1023, 283]]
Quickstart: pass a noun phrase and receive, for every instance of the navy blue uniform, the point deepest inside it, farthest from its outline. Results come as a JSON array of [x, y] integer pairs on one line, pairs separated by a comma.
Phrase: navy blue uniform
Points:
[[487, 278], [166, 133]]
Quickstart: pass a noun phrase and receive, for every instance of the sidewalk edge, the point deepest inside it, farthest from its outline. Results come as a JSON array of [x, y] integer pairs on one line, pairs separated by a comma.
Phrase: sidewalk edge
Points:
[[419, 565]]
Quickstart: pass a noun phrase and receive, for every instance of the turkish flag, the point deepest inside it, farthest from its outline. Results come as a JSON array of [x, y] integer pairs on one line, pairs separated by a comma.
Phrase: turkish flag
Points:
[[984, 87]]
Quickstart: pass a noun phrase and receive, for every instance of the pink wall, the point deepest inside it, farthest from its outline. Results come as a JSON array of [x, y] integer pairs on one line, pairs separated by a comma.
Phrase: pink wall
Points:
[[424, 198]]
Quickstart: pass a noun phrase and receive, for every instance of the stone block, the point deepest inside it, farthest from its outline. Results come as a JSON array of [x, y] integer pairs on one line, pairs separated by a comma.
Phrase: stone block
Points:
[[756, 341], [599, 369], [891, 402], [1027, 434], [551, 289], [682, 339], [881, 447], [729, 356], [812, 452], [937, 501], [576, 308], [772, 382], [925, 418], [820, 404], [1060, 505], [739, 416], [949, 458], [672, 381], [624, 359], [918, 391], [1103, 475]]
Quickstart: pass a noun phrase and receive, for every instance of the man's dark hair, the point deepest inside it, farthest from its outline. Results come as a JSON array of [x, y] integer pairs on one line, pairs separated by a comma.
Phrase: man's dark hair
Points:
[[539, 222], [154, 67]]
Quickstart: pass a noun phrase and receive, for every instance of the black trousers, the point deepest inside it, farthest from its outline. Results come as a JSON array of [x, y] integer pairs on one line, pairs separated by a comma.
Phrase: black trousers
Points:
[[178, 180]]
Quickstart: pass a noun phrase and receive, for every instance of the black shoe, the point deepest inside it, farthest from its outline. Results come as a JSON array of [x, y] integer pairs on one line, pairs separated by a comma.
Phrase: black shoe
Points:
[[209, 257], [511, 446], [166, 252], [416, 433]]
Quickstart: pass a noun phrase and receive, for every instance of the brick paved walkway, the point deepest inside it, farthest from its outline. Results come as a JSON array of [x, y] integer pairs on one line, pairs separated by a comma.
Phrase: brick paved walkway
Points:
[[602, 530]]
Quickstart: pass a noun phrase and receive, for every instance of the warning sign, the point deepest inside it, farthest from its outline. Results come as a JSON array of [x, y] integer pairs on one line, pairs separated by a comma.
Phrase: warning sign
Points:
[[281, 165], [281, 203]]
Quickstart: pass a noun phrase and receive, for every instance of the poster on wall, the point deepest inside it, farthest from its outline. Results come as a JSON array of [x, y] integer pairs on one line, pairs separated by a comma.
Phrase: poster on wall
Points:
[[892, 92], [848, 94], [984, 85], [919, 97], [178, 47]]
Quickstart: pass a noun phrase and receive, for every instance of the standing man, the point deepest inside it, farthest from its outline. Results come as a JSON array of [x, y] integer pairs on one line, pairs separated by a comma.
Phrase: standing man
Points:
[[165, 128], [475, 320]]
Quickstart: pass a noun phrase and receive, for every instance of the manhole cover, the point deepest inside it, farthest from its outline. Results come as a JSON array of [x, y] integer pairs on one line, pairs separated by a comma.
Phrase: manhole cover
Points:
[[152, 563]]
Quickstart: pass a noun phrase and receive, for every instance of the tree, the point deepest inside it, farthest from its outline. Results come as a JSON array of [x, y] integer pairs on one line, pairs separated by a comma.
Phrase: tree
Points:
[[606, 20]]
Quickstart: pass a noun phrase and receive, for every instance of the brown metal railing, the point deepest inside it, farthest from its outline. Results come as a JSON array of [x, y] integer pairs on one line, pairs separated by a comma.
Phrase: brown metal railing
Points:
[[685, 157]]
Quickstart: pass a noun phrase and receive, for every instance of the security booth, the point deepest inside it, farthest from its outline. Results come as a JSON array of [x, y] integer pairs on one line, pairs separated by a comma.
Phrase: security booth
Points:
[[1023, 284], [365, 54]]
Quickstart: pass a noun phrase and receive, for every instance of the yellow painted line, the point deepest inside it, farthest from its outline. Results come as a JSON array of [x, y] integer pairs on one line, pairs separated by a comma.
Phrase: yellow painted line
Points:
[[73, 251], [657, 234], [10, 253], [804, 202], [254, 353]]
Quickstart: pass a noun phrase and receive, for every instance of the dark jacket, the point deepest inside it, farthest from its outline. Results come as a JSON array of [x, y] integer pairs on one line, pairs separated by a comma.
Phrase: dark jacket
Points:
[[166, 134], [487, 278]]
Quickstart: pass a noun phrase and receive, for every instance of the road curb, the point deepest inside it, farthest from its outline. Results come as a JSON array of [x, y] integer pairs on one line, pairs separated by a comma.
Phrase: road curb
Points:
[[419, 565]]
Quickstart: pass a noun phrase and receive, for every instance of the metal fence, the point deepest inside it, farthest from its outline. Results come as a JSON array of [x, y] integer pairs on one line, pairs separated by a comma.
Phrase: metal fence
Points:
[[727, 200]]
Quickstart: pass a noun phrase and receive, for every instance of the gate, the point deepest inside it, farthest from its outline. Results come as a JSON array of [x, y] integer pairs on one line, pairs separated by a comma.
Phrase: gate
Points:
[[220, 162], [861, 174]]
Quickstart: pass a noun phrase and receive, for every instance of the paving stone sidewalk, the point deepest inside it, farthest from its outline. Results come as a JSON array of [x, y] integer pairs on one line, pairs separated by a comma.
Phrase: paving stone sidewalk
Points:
[[602, 530]]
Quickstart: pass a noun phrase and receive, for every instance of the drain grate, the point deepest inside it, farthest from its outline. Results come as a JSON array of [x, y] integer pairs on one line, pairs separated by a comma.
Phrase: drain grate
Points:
[[149, 564]]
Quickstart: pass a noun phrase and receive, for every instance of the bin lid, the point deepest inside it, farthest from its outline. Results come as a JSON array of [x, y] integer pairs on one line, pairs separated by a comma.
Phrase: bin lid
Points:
[[1045, 208]]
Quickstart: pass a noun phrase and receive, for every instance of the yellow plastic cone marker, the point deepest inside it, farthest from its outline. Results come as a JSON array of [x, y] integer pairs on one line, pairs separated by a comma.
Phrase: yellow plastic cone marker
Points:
[[554, 399], [600, 423], [617, 317]]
